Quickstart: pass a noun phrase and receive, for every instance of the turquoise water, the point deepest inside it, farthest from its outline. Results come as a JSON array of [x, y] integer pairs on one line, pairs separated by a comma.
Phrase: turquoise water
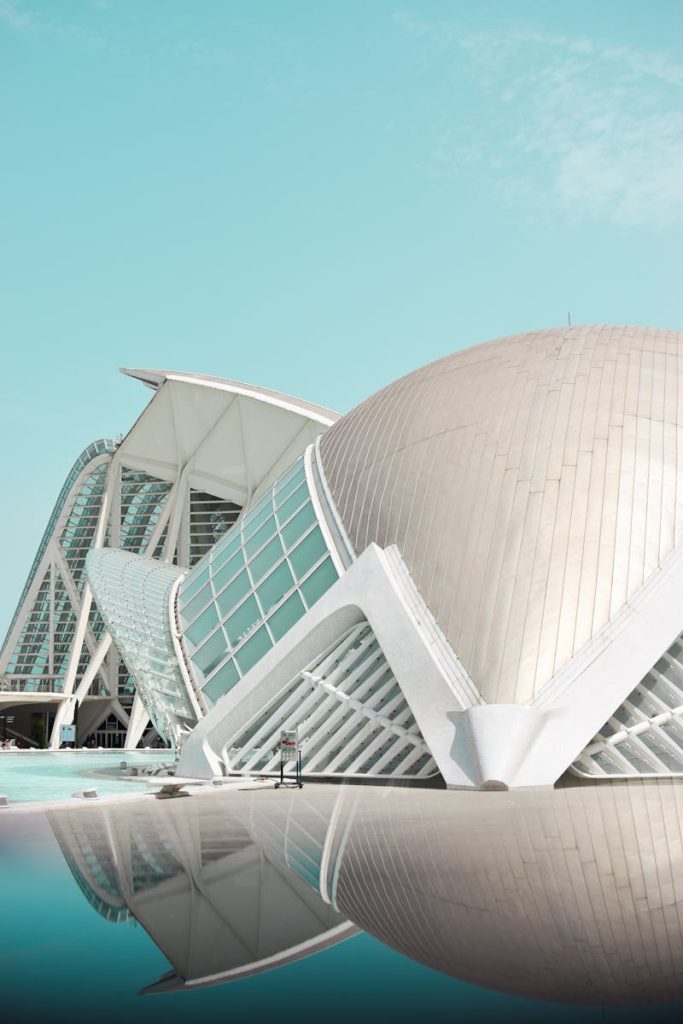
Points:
[[58, 775], [61, 960]]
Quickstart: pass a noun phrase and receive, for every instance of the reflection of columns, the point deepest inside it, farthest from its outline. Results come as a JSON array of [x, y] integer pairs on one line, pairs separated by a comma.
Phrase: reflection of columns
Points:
[[83, 616]]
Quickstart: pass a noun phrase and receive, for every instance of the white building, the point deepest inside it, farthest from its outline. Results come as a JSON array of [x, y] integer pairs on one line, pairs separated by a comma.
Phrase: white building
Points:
[[476, 574]]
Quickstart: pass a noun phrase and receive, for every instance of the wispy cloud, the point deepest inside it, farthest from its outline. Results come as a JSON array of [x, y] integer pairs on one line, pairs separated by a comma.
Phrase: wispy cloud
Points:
[[19, 16], [14, 15], [564, 126]]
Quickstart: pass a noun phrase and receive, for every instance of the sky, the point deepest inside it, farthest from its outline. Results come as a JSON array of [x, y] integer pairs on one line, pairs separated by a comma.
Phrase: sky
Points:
[[313, 196]]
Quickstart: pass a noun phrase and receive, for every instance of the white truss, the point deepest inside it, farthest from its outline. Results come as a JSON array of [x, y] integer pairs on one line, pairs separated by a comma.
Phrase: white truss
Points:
[[644, 736], [351, 714]]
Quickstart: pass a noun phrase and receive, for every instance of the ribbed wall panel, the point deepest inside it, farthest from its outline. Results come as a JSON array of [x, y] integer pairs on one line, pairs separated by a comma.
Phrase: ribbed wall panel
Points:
[[644, 736], [351, 715], [530, 484]]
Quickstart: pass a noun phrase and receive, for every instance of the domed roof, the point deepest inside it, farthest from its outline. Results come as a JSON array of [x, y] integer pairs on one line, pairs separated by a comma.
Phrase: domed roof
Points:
[[531, 485]]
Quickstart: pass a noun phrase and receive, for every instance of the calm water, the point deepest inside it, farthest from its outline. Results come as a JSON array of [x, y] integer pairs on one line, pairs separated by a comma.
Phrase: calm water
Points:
[[472, 907], [28, 776]]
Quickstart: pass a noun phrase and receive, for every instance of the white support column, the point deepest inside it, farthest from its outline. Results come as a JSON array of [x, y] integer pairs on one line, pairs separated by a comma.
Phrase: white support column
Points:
[[82, 623], [139, 720], [92, 669], [176, 512]]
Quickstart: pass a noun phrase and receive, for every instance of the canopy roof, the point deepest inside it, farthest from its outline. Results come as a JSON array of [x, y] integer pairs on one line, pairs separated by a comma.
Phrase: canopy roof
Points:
[[232, 439]]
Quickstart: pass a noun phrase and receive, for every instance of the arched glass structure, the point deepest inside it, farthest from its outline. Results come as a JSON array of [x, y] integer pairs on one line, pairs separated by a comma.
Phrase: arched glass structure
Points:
[[254, 584]]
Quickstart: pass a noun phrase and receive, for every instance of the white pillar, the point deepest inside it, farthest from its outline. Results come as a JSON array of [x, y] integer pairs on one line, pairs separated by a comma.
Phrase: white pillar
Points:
[[137, 724]]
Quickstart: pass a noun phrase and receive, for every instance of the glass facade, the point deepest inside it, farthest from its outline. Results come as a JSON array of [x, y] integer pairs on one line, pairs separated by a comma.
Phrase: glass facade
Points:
[[88, 455], [133, 595], [251, 588], [38, 659]]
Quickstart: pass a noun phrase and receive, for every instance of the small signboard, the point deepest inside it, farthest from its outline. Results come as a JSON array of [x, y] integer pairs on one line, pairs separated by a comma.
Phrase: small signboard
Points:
[[67, 734], [289, 745]]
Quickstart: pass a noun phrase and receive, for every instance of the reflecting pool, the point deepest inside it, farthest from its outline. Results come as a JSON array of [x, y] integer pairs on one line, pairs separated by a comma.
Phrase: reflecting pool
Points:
[[56, 775], [349, 902]]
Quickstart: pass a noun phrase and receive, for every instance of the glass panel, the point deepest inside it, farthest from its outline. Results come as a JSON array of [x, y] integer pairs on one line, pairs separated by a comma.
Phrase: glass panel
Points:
[[204, 624], [222, 682], [245, 616], [213, 651], [224, 549], [283, 619], [233, 593], [275, 586], [292, 503], [287, 485], [256, 516], [191, 610], [227, 570], [254, 649], [298, 525], [185, 592], [267, 558], [308, 552], [260, 537], [318, 582]]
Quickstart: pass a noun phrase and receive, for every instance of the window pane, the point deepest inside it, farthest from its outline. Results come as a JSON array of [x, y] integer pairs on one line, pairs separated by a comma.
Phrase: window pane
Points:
[[245, 616], [308, 552], [187, 589], [228, 570], [191, 610], [256, 516], [318, 582], [222, 682], [298, 525], [288, 485], [292, 503], [260, 537], [254, 649], [213, 651], [204, 624], [233, 593], [275, 586], [283, 619], [224, 550], [266, 559]]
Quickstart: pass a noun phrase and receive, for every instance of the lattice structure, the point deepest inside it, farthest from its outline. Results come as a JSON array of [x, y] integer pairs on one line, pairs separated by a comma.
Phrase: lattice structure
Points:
[[37, 648], [644, 736], [133, 595], [351, 714]]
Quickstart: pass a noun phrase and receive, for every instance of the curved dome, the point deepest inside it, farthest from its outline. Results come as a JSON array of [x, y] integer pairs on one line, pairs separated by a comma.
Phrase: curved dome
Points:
[[530, 484]]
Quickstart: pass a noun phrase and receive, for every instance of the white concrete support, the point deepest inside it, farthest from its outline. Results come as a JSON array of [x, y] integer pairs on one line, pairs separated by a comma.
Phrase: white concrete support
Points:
[[139, 720], [92, 669], [371, 589], [475, 745]]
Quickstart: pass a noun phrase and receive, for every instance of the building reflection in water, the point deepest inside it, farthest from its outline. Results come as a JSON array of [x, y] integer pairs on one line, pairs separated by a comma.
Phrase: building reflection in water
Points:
[[213, 898], [573, 893]]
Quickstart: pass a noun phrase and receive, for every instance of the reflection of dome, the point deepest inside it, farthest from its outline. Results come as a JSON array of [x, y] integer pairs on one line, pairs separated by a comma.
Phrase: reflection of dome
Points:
[[530, 484]]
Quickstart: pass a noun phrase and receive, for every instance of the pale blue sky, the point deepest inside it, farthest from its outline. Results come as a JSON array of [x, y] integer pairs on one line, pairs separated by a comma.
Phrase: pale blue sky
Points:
[[313, 196]]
